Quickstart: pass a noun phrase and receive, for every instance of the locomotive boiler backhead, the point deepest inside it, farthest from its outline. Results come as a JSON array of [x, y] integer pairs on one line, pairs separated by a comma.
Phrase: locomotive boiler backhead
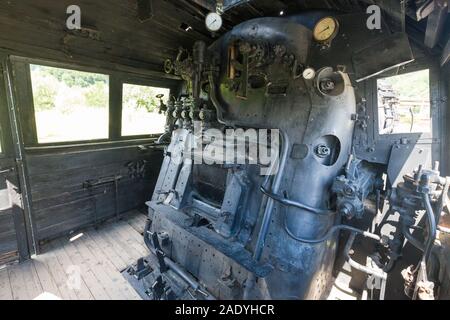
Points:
[[261, 85], [225, 224]]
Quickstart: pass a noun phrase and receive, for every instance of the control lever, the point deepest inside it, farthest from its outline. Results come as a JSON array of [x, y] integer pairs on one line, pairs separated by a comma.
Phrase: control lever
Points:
[[5, 171], [150, 146], [159, 253], [158, 288]]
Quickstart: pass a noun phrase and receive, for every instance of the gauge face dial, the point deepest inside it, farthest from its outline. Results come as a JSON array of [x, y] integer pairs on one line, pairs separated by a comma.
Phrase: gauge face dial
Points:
[[309, 73], [326, 29], [213, 22]]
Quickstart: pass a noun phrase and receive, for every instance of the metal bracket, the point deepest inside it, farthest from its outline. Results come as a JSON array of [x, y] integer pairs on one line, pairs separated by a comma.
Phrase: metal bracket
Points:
[[142, 269], [159, 253]]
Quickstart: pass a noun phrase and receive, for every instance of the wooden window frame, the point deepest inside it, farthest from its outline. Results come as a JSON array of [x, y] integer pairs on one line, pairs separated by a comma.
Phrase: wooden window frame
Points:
[[138, 82], [22, 85], [419, 136]]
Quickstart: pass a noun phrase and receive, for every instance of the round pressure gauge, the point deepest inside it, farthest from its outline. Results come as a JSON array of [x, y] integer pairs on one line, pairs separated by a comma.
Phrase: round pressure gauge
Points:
[[213, 22], [309, 73], [326, 29]]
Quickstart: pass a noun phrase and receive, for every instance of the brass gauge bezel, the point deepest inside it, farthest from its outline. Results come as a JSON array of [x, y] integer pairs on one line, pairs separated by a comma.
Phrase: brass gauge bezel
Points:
[[322, 25]]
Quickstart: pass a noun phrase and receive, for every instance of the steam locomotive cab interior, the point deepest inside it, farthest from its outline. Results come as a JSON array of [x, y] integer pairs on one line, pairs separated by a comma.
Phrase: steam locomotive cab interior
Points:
[[225, 150]]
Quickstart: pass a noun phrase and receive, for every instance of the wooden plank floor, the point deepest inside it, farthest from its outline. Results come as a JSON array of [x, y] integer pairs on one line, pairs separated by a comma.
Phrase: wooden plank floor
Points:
[[85, 267]]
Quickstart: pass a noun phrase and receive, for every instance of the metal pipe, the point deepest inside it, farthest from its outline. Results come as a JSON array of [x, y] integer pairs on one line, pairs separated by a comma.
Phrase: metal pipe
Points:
[[214, 99], [296, 204], [267, 217], [274, 196], [416, 243], [370, 271], [175, 268], [431, 226], [330, 232], [164, 138]]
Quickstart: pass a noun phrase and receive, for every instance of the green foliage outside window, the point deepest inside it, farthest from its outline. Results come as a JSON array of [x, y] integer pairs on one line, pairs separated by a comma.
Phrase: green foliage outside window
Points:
[[64, 89], [140, 97]]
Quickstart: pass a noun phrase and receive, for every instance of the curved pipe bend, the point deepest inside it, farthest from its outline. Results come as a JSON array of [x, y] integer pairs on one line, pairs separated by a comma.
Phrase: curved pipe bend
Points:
[[370, 271], [431, 226], [432, 229], [330, 232], [214, 99], [296, 204], [416, 243]]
